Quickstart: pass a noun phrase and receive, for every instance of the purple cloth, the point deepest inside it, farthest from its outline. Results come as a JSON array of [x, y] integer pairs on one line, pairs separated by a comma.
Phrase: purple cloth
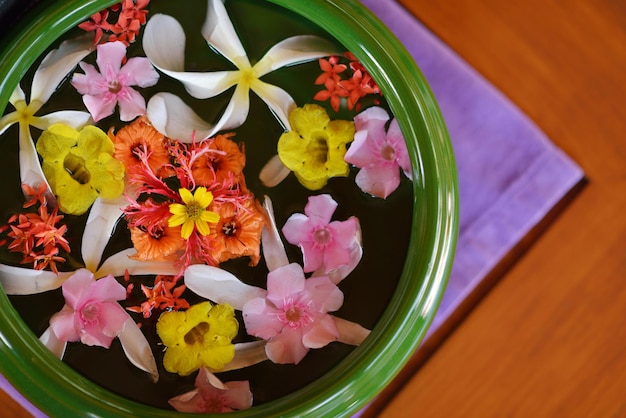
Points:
[[510, 174]]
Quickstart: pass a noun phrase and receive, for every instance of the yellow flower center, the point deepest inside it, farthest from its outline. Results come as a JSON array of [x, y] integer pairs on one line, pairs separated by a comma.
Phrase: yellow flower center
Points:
[[197, 333], [76, 168], [318, 149], [194, 211]]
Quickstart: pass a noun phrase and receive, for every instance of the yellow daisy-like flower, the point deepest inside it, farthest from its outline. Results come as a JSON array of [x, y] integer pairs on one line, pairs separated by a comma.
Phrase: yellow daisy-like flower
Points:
[[79, 166], [315, 147], [193, 213], [198, 337]]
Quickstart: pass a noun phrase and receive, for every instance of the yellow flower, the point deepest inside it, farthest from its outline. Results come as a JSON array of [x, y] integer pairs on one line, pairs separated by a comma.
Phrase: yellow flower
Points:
[[315, 147], [193, 212], [79, 166], [198, 337]]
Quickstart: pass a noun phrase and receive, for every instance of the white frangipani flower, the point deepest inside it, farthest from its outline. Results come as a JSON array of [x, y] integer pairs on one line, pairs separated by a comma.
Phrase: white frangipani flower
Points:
[[50, 73], [164, 43]]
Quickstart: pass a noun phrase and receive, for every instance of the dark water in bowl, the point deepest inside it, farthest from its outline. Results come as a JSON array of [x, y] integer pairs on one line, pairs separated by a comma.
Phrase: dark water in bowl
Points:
[[386, 224]]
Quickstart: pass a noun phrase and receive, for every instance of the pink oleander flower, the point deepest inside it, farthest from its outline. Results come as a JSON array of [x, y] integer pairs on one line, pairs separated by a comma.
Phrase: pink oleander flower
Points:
[[380, 155], [293, 316], [103, 90], [212, 396], [324, 244], [91, 313]]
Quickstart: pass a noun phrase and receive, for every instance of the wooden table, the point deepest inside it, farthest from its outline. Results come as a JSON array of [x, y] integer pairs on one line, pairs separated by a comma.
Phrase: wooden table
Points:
[[549, 340]]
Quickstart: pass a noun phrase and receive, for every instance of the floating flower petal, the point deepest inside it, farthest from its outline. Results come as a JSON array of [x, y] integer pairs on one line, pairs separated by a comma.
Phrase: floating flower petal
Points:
[[212, 396], [198, 337], [315, 147], [79, 166], [325, 245], [379, 154], [294, 315], [103, 90], [163, 35]]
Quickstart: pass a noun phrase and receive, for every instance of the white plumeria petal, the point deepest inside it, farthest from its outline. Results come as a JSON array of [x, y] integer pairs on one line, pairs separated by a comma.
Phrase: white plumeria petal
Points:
[[273, 172], [50, 340], [23, 281], [246, 355], [103, 217], [120, 262], [164, 45], [350, 332], [220, 286], [137, 349], [30, 168], [219, 32], [273, 248], [18, 95], [57, 64], [174, 119], [294, 50], [237, 110], [278, 100], [7, 120], [74, 118]]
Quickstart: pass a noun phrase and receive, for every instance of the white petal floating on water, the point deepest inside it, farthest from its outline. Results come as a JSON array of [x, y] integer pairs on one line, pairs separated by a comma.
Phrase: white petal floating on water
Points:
[[24, 281], [119, 263], [294, 50], [50, 340], [220, 286], [103, 217], [246, 355], [174, 119], [273, 172], [219, 32], [273, 248], [137, 349], [74, 118]]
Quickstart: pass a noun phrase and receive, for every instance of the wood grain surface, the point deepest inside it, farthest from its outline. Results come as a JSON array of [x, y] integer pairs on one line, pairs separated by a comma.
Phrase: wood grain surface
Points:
[[549, 340]]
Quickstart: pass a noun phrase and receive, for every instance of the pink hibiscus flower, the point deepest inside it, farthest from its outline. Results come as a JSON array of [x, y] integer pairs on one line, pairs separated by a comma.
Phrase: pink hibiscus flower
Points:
[[380, 155], [293, 317], [211, 395], [91, 313], [324, 244], [103, 90]]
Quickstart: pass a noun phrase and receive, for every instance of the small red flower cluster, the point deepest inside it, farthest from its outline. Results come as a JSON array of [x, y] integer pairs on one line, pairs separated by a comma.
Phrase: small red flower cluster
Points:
[[131, 15], [163, 295], [36, 236], [352, 85]]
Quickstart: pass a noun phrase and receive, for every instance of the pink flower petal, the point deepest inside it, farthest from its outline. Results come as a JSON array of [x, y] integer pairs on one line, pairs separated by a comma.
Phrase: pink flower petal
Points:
[[91, 82], [139, 72], [76, 287], [326, 296], [286, 347], [261, 319], [99, 106], [62, 325], [324, 332], [395, 138], [109, 59], [283, 283], [132, 104], [320, 208], [107, 289], [312, 256], [297, 229], [378, 181]]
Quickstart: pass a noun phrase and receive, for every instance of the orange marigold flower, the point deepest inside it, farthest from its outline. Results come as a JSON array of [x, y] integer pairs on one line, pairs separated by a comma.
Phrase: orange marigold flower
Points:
[[219, 166], [136, 136], [238, 232], [159, 243]]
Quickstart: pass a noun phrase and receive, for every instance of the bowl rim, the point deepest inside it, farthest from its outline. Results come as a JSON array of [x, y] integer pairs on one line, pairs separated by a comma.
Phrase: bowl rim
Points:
[[359, 377]]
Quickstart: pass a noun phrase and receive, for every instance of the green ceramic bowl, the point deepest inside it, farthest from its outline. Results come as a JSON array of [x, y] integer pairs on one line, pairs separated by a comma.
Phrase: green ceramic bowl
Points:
[[58, 390]]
